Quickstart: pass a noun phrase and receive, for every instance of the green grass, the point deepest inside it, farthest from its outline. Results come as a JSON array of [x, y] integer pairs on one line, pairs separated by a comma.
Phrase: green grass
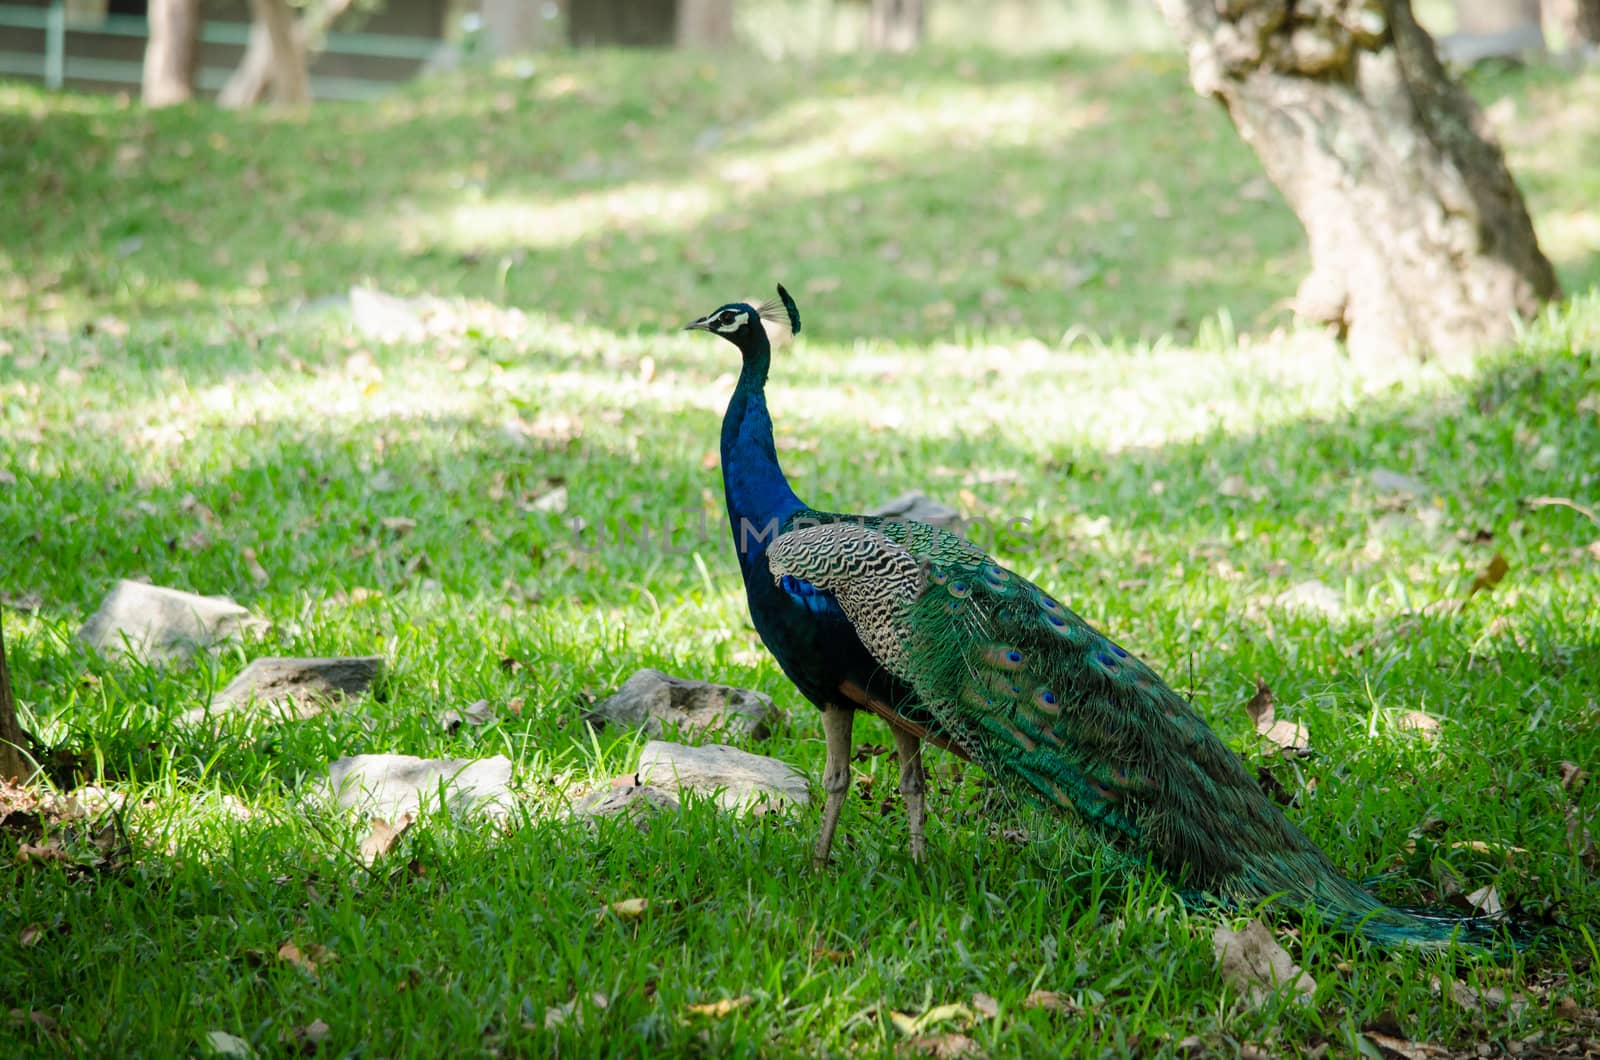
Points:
[[1030, 287]]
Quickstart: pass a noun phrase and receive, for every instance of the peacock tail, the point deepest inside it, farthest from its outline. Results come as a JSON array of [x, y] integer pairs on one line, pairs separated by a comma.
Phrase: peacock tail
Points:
[[1055, 710]]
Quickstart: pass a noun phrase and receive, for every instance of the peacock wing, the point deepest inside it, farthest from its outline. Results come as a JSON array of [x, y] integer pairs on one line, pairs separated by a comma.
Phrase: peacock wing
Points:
[[1039, 696]]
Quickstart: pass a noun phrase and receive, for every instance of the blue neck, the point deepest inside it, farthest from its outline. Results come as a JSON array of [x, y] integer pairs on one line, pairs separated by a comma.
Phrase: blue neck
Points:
[[757, 493]]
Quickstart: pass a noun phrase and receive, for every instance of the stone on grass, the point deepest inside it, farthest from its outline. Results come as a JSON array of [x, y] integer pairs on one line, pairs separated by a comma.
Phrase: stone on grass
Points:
[[638, 803], [1257, 967], [737, 780], [162, 625], [387, 317], [652, 701], [920, 508], [304, 685], [1396, 483], [388, 785], [1312, 596]]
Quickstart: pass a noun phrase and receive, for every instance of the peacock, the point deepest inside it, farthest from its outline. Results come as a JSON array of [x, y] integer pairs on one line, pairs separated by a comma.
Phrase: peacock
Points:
[[922, 628]]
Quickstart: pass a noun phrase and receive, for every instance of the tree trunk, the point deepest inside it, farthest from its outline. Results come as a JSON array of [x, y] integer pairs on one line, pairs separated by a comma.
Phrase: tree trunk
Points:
[[897, 25], [704, 23], [172, 53], [622, 23], [15, 745], [291, 83], [510, 26], [1420, 242], [1579, 21], [255, 77]]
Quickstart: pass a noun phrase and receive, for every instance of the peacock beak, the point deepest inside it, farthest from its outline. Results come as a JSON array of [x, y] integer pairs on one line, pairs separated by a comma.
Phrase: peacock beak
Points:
[[703, 324]]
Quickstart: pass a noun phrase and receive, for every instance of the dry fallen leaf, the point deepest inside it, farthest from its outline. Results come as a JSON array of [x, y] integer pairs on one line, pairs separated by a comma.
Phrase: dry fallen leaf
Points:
[[49, 850], [1260, 706], [719, 1009], [553, 500], [910, 1025], [382, 837], [31, 935], [1486, 900], [832, 956], [1291, 737], [627, 909], [1426, 726], [1573, 778], [941, 1045], [1481, 847], [1488, 578], [1049, 999], [556, 1015], [1255, 965], [224, 1044], [1407, 1050], [307, 959], [985, 1006]]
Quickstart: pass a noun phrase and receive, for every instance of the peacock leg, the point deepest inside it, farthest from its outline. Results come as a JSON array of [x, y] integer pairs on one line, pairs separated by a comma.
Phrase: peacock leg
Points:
[[837, 721], [913, 787]]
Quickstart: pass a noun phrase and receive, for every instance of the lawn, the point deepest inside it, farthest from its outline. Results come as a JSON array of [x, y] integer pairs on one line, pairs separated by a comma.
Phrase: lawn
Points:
[[1047, 289]]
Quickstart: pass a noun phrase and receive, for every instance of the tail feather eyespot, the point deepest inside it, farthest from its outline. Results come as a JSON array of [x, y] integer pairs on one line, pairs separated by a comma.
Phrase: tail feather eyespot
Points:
[[1003, 656]]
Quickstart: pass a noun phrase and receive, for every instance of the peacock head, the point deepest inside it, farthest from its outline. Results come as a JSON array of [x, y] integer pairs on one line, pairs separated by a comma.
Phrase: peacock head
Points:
[[740, 322]]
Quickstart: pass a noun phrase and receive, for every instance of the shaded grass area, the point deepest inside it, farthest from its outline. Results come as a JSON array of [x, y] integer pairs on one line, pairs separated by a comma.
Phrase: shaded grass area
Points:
[[948, 193], [1169, 491]]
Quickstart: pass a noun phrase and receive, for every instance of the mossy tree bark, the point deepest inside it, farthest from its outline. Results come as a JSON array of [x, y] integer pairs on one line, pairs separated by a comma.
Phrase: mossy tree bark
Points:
[[1420, 242], [15, 745]]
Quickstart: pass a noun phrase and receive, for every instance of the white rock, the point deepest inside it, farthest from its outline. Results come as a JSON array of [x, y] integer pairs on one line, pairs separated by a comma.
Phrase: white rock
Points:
[[651, 700], [1397, 483], [163, 625], [738, 780], [391, 785], [1312, 596], [304, 683], [920, 508]]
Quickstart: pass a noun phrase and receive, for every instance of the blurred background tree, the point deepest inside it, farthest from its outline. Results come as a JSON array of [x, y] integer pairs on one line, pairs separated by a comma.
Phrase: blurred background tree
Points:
[[276, 63], [897, 25], [173, 52]]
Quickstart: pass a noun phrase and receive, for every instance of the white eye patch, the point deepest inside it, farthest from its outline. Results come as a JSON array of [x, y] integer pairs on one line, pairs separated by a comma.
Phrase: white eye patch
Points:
[[731, 321]]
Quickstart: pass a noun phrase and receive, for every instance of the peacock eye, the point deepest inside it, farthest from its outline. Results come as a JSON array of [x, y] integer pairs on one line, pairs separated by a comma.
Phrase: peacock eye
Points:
[[726, 317]]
